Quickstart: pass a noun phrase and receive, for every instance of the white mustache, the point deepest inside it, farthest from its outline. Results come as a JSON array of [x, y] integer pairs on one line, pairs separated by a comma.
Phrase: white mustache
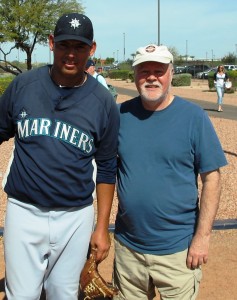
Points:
[[154, 84]]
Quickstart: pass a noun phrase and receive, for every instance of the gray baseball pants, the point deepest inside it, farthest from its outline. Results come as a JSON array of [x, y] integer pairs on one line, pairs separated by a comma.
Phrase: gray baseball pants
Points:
[[45, 248]]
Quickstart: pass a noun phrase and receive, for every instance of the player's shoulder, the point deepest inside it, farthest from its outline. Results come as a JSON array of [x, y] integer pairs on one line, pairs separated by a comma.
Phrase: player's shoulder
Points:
[[30, 76], [97, 88]]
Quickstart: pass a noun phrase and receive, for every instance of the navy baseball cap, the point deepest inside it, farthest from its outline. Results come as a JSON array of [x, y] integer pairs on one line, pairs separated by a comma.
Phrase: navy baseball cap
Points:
[[74, 26], [90, 63]]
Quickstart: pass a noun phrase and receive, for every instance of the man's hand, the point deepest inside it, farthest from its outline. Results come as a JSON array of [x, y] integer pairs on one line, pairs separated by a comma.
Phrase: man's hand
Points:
[[198, 252], [100, 241]]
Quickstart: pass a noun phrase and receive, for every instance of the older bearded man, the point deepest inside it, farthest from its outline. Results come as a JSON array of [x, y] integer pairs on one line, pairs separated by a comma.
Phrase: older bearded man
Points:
[[165, 142]]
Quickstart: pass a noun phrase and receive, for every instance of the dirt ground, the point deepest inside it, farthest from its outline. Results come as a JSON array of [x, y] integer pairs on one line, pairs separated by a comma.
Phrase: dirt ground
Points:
[[220, 273]]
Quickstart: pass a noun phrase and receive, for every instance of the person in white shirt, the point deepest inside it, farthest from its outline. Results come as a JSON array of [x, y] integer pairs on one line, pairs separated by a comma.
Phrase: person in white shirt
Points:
[[90, 68], [220, 78]]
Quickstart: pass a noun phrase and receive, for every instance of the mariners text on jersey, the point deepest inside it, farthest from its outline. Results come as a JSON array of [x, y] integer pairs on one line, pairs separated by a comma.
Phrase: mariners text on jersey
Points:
[[65, 132]]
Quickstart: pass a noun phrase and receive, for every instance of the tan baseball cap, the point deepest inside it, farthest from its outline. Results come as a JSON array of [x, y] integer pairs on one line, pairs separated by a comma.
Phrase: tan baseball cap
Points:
[[153, 53]]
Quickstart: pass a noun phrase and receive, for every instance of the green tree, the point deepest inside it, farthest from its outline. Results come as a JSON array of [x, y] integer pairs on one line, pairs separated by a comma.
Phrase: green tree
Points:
[[109, 60], [230, 58], [25, 23]]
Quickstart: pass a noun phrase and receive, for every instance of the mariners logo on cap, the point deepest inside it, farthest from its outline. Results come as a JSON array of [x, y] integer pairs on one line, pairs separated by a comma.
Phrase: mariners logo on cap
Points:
[[75, 23]]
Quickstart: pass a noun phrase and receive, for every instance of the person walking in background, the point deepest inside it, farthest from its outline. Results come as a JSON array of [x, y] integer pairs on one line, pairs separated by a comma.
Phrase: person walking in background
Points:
[[165, 142], [220, 78], [59, 126], [90, 68]]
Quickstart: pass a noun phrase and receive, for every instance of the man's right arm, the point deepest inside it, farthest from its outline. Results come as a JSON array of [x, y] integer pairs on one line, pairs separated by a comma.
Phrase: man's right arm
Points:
[[209, 202]]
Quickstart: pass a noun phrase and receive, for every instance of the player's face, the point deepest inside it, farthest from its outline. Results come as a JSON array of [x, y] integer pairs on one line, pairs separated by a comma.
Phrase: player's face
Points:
[[153, 81], [70, 56]]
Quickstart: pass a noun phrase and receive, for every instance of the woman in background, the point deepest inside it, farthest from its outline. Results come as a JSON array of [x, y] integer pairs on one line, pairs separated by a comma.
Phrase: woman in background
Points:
[[220, 77]]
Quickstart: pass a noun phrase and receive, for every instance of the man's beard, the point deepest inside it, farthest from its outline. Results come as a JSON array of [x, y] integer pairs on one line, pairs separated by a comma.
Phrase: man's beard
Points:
[[151, 96]]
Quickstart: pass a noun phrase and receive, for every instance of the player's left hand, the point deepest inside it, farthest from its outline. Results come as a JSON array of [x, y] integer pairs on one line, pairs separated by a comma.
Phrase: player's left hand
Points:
[[101, 242]]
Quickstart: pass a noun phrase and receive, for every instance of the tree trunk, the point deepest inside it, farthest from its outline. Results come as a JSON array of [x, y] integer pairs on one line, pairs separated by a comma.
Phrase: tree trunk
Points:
[[29, 61]]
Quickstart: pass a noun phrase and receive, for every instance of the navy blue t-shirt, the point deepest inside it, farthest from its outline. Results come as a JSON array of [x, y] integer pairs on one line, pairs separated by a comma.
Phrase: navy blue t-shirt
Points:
[[161, 154]]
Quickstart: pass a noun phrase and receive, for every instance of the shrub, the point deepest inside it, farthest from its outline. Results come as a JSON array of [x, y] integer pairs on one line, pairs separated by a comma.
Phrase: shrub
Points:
[[131, 76], [119, 74], [125, 66], [181, 79], [105, 74], [211, 81], [233, 78], [4, 82]]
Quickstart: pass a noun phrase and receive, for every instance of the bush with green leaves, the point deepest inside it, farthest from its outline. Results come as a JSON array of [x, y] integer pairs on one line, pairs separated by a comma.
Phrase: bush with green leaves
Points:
[[4, 82], [131, 76], [119, 74], [181, 79]]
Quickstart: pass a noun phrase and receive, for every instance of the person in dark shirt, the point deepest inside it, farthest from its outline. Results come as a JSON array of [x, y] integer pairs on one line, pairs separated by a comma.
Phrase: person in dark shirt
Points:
[[61, 120], [165, 143]]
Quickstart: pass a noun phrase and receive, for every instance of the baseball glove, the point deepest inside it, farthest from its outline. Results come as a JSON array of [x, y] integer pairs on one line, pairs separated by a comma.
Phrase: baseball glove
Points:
[[91, 282]]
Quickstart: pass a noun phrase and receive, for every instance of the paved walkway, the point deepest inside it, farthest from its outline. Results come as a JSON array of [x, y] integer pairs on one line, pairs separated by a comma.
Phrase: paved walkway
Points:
[[230, 111]]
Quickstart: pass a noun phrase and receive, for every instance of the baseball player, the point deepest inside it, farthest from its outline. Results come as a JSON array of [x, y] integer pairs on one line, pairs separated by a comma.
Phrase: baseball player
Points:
[[60, 119]]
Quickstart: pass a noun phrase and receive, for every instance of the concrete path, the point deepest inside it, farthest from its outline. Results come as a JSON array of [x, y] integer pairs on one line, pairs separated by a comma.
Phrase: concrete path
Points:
[[230, 111]]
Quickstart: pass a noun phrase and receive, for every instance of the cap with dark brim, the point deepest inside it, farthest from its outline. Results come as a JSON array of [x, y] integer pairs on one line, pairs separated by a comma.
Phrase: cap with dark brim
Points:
[[65, 37], [74, 26]]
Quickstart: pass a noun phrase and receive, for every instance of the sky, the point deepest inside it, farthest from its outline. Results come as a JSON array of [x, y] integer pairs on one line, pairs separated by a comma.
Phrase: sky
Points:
[[204, 29]]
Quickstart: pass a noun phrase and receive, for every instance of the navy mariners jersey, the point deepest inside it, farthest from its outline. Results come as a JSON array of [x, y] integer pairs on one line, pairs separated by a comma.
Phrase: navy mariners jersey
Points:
[[57, 134]]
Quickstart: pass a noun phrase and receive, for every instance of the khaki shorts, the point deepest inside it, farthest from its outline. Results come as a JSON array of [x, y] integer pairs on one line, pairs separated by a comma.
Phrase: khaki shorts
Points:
[[136, 275]]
